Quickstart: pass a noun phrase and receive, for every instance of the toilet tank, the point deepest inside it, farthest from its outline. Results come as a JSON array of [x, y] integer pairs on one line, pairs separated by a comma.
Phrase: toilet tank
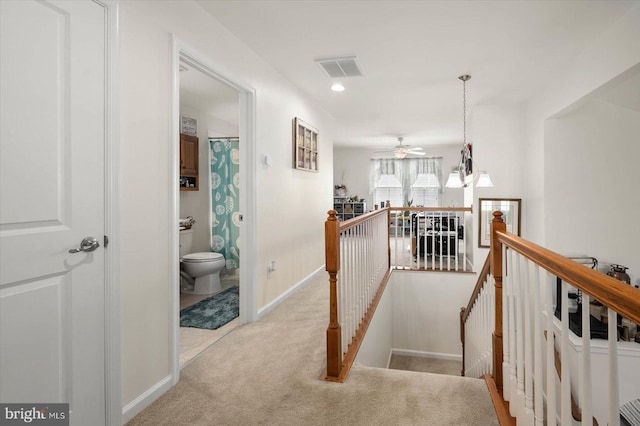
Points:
[[186, 241]]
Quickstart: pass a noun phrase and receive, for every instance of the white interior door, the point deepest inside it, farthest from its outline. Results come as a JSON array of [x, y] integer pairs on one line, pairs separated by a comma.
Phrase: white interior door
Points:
[[52, 142]]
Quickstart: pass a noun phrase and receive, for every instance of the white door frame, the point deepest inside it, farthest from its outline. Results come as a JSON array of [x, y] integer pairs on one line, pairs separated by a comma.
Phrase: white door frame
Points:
[[112, 355], [247, 133]]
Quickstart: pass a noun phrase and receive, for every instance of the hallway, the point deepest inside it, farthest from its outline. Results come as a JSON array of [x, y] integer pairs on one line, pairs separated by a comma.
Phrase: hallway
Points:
[[268, 372]]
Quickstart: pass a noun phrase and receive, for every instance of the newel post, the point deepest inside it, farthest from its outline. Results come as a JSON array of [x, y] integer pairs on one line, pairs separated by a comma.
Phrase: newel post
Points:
[[497, 225], [332, 262]]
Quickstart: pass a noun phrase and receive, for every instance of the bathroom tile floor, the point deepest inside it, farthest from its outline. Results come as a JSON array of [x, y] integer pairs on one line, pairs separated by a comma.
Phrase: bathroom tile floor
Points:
[[193, 341]]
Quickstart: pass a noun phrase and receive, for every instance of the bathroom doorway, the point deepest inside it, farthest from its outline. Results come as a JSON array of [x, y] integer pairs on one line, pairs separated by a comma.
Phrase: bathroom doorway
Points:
[[209, 206], [219, 113]]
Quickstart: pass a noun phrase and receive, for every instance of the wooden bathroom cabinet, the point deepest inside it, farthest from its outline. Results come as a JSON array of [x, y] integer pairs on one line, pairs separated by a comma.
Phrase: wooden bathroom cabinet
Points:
[[188, 162]]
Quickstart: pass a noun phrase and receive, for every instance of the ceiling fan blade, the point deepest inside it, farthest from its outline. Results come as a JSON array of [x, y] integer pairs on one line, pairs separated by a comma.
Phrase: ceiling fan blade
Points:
[[384, 150], [417, 153]]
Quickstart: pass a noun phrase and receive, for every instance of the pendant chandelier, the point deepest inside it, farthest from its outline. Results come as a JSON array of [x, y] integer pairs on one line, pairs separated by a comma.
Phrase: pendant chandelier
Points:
[[457, 177]]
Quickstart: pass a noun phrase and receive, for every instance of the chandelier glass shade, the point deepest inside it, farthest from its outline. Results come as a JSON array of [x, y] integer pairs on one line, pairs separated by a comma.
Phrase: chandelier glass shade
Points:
[[484, 180], [454, 180]]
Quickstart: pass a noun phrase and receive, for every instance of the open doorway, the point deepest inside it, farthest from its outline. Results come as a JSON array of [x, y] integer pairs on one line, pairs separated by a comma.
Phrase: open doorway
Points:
[[209, 211], [219, 116]]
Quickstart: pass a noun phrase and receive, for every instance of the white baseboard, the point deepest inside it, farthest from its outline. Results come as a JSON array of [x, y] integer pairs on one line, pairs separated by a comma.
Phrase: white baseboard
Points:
[[133, 408], [422, 354], [269, 307], [389, 359]]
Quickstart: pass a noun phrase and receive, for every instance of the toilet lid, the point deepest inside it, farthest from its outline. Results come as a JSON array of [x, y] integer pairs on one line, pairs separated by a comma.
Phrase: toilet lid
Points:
[[201, 257]]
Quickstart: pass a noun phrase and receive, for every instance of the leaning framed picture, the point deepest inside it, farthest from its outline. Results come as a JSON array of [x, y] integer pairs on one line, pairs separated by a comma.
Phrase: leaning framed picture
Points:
[[510, 208]]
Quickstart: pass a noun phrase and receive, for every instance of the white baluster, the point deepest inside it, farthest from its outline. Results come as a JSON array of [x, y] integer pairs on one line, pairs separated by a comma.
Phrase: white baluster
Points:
[[465, 231], [492, 322], [537, 338], [456, 220], [528, 350], [565, 384], [550, 354], [519, 338], [506, 320], [440, 237], [614, 416], [585, 377], [343, 291]]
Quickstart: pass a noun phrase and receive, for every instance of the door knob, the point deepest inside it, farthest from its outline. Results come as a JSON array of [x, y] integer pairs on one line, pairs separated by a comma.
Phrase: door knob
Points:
[[88, 244]]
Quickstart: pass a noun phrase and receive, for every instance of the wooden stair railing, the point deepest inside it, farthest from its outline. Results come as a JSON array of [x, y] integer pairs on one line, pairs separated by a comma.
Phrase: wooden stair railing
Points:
[[500, 405], [620, 299], [465, 312], [339, 360]]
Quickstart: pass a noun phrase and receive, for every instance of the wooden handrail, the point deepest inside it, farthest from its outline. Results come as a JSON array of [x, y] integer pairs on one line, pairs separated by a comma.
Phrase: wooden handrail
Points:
[[432, 209], [355, 221], [612, 293]]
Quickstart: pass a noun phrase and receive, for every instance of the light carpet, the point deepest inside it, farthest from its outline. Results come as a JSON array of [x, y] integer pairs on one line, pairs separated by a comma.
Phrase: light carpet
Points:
[[425, 365], [267, 373]]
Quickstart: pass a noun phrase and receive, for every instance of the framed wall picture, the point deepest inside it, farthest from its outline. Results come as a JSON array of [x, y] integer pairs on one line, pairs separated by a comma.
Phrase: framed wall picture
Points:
[[189, 126], [510, 208], [305, 146]]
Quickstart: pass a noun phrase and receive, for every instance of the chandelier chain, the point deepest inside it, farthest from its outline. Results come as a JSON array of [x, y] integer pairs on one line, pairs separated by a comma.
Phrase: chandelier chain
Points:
[[464, 112]]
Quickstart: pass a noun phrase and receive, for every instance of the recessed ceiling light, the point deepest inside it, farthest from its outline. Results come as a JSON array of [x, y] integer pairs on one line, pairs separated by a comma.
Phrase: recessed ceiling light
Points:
[[337, 87]]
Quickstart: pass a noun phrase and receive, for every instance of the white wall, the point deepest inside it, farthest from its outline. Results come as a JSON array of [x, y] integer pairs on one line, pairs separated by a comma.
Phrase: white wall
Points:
[[612, 53], [351, 167], [418, 314], [197, 203], [497, 136], [511, 143], [591, 158], [291, 204], [375, 350], [426, 310]]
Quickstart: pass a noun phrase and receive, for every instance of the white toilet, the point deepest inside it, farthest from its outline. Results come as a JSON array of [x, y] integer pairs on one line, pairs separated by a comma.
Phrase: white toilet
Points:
[[202, 270]]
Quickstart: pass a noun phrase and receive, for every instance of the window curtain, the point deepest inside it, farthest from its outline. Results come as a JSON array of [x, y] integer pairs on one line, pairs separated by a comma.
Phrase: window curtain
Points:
[[225, 215], [384, 166], [405, 170], [420, 166]]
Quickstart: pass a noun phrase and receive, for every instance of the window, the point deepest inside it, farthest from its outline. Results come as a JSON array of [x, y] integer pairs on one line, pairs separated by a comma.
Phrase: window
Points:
[[425, 191], [411, 180], [389, 189]]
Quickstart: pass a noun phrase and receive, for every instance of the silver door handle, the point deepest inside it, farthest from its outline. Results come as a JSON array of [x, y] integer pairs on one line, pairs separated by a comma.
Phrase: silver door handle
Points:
[[88, 244]]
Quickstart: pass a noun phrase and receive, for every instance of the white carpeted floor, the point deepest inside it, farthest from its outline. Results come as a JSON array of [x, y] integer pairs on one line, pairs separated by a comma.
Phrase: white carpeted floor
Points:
[[425, 365], [268, 373]]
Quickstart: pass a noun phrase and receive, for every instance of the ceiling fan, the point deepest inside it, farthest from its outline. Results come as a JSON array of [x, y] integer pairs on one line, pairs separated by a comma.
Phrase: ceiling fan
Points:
[[401, 151]]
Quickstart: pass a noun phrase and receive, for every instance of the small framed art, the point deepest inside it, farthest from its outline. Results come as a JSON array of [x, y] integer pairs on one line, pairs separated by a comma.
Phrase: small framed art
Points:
[[510, 208], [305, 146]]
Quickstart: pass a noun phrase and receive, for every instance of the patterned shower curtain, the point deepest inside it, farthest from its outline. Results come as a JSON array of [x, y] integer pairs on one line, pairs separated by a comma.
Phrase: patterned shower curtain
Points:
[[225, 187]]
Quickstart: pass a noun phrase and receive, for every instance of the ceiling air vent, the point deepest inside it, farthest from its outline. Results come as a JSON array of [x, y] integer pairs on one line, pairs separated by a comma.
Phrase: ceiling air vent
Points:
[[341, 67]]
